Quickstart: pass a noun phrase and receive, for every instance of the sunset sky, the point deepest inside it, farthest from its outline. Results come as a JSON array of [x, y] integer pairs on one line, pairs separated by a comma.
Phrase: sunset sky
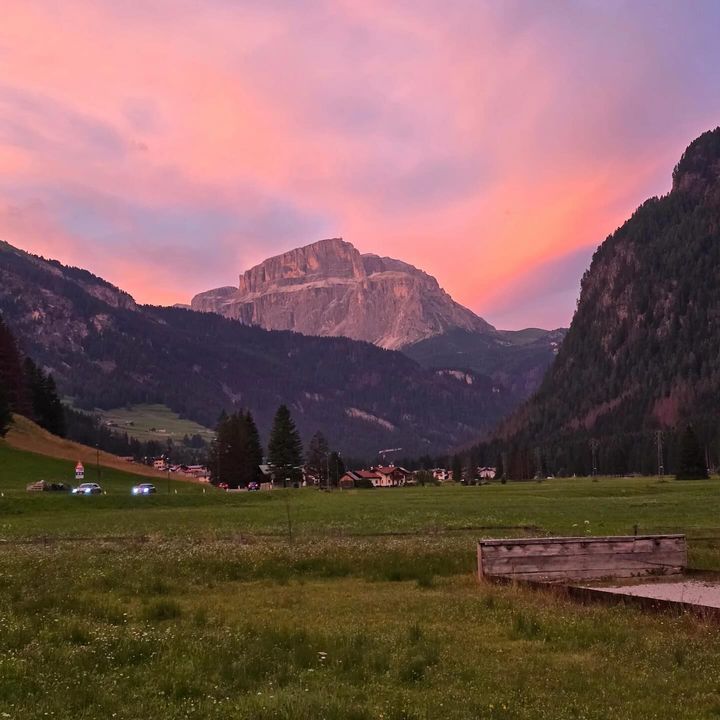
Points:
[[167, 145]]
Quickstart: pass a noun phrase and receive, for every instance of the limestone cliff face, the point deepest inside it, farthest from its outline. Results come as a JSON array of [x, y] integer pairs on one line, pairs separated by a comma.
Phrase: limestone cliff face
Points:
[[329, 288]]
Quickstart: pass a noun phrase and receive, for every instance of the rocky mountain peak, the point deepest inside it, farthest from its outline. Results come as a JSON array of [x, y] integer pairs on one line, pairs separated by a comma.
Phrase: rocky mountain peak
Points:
[[330, 258], [699, 167], [330, 288]]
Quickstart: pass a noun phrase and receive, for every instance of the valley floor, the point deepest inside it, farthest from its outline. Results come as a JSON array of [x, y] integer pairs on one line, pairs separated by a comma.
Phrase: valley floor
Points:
[[361, 604]]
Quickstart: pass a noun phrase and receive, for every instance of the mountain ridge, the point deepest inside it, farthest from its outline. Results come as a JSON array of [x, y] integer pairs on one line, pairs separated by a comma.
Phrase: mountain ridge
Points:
[[107, 351], [328, 288]]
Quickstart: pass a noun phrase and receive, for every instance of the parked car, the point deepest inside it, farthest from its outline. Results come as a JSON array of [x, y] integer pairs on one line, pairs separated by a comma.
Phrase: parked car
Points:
[[143, 489], [254, 486], [45, 486], [87, 488]]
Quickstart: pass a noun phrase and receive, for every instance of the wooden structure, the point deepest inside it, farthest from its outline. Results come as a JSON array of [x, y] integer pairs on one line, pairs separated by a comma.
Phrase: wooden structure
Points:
[[560, 559]]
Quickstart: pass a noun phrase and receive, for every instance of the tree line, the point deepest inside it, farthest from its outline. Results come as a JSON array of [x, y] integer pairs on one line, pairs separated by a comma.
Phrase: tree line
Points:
[[688, 452], [26, 389], [236, 455]]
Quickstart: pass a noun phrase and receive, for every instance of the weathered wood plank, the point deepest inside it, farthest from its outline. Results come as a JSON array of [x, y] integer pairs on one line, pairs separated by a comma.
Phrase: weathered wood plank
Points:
[[582, 558], [607, 560], [576, 547], [586, 574]]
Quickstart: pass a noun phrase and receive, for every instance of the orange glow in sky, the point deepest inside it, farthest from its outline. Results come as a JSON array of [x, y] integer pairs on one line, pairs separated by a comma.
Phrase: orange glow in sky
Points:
[[170, 144]]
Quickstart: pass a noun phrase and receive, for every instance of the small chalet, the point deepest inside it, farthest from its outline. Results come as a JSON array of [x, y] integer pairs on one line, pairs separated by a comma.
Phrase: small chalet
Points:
[[359, 478], [391, 476], [383, 476]]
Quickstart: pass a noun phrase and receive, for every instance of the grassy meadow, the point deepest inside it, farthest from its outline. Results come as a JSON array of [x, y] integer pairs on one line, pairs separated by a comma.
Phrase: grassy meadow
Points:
[[363, 604], [153, 422]]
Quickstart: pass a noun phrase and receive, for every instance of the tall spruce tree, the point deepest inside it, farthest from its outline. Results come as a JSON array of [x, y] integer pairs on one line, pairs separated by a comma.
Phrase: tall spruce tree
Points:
[[12, 377], [285, 448], [692, 464], [317, 459], [47, 409], [337, 468], [457, 468], [236, 454], [253, 454]]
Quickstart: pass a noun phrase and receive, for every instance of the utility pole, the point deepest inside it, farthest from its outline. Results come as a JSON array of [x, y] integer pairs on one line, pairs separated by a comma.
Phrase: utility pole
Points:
[[659, 443], [594, 445]]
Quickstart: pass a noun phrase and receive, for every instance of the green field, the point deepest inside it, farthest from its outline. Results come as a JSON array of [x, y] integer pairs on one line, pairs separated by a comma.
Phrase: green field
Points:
[[363, 604], [153, 422]]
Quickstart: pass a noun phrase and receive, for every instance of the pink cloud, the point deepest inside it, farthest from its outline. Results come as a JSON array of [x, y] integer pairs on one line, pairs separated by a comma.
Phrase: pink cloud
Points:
[[475, 140]]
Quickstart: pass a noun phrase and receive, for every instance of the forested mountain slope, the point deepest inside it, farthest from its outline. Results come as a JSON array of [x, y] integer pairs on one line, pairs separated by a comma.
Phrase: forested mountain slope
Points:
[[643, 350], [105, 351]]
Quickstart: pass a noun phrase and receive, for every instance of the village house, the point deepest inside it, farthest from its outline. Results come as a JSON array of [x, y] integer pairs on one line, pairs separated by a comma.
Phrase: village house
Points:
[[358, 478], [382, 476], [392, 476], [199, 472]]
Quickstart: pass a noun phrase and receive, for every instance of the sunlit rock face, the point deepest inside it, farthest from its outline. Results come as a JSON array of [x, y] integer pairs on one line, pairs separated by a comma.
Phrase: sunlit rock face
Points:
[[329, 288]]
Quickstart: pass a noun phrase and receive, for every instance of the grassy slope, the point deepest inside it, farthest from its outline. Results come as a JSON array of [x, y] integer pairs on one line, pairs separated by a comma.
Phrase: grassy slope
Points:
[[149, 420], [26, 435], [220, 616]]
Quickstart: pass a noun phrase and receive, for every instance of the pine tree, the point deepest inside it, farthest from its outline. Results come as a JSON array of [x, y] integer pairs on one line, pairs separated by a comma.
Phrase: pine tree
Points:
[[11, 372], [253, 448], [337, 468], [47, 409], [218, 462], [318, 458], [692, 459], [499, 469], [285, 448], [54, 420], [5, 415], [235, 438], [457, 468], [236, 454]]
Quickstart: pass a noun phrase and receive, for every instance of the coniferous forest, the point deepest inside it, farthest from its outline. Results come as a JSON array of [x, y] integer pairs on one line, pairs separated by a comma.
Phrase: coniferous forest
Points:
[[26, 389], [641, 361]]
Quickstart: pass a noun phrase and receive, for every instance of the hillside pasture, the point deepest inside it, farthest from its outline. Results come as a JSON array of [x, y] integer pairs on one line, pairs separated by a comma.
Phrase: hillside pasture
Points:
[[26, 436], [153, 422]]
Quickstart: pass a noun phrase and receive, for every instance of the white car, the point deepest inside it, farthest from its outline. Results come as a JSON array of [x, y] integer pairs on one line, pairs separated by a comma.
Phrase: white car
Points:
[[87, 489], [143, 489]]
